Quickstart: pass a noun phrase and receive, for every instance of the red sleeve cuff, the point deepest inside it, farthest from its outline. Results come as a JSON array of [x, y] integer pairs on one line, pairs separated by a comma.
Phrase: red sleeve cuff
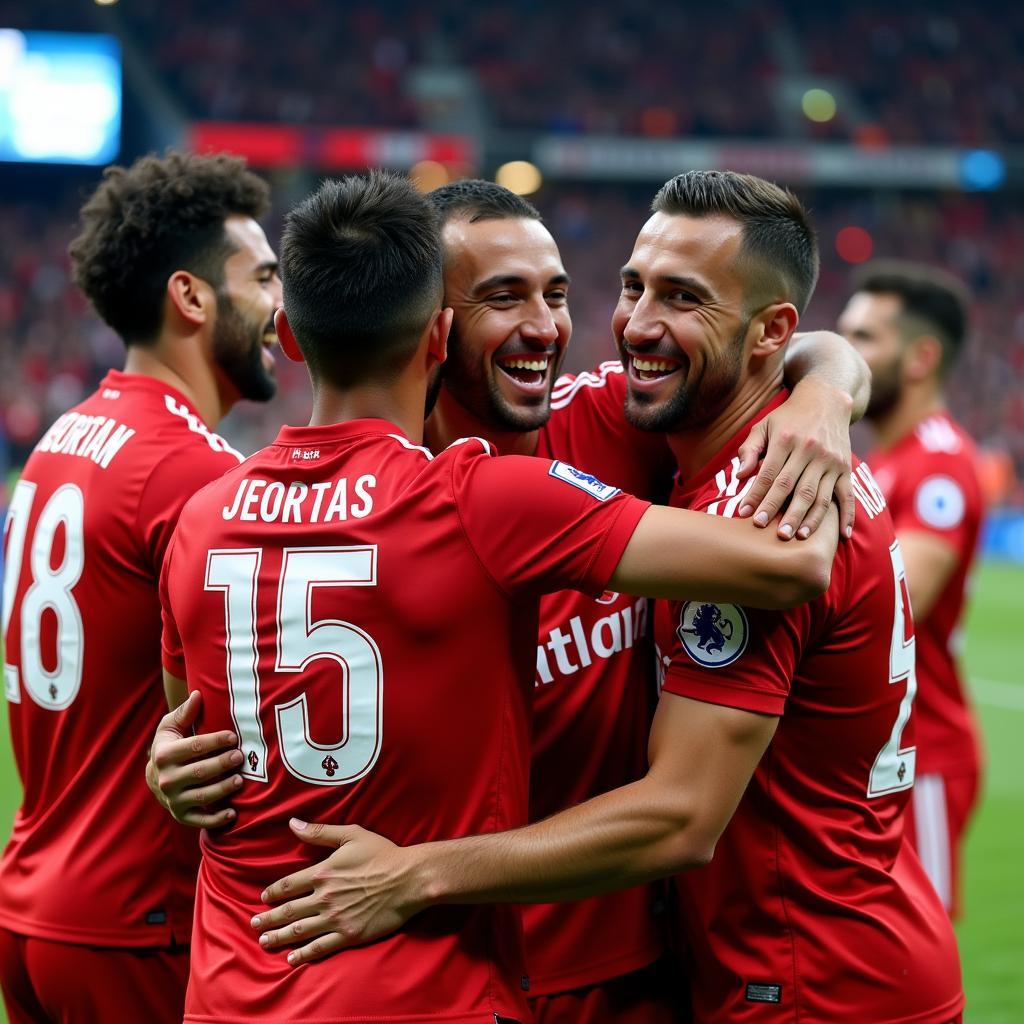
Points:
[[174, 664], [614, 544], [729, 695]]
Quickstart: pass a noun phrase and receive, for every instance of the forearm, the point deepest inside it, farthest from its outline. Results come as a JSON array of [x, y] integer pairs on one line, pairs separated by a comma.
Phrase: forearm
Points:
[[825, 360], [622, 838]]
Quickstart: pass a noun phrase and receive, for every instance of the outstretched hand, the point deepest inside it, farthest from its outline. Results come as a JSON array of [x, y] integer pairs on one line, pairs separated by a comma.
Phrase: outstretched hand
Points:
[[357, 894], [189, 775], [807, 459]]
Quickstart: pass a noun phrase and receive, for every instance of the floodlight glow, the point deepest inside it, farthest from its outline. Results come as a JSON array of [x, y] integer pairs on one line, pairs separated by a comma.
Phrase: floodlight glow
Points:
[[819, 105], [981, 169], [519, 176], [60, 97]]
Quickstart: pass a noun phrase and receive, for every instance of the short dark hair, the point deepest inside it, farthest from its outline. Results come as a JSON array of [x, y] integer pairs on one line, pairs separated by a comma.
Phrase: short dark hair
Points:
[[933, 301], [477, 199], [161, 215], [361, 270], [779, 243]]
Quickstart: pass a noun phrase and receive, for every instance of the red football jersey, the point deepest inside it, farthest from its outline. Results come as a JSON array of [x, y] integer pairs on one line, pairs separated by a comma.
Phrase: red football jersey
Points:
[[93, 858], [930, 482], [813, 908], [364, 616], [593, 691]]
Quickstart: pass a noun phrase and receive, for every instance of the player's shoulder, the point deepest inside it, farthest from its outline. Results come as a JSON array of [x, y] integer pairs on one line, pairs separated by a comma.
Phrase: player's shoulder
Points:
[[606, 382], [940, 434]]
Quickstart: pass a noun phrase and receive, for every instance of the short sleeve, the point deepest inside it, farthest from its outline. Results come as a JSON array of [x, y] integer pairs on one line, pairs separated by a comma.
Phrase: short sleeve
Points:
[[737, 657], [172, 652], [538, 526], [170, 485], [939, 494]]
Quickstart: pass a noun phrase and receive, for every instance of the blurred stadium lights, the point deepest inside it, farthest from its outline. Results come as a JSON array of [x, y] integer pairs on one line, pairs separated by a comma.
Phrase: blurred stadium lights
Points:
[[519, 176], [819, 105], [428, 175], [981, 170], [854, 244], [104, 3]]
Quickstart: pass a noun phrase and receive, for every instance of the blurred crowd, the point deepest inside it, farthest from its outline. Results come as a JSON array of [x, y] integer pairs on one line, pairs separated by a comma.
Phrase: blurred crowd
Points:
[[53, 349], [734, 68]]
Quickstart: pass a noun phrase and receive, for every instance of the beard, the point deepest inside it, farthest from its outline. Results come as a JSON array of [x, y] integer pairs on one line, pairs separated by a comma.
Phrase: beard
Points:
[[238, 352], [694, 403], [886, 391], [467, 380]]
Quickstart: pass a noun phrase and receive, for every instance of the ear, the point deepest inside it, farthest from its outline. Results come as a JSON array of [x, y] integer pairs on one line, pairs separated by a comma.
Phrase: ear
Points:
[[776, 324], [286, 337], [438, 330], [923, 358], [191, 298]]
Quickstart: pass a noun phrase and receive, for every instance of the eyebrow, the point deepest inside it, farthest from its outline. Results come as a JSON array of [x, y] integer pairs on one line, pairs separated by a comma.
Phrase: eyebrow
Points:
[[682, 281], [514, 280], [266, 265]]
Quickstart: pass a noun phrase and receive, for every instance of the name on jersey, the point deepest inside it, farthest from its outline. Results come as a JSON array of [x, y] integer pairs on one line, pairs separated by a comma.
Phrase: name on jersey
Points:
[[575, 648], [866, 490], [98, 438], [330, 501]]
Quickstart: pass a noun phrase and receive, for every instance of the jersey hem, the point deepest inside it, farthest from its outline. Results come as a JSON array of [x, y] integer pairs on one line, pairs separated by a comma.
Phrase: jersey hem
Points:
[[476, 1017], [155, 938], [724, 694], [598, 972]]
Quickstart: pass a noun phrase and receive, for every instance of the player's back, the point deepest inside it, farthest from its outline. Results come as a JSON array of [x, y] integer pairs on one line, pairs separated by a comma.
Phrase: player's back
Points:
[[364, 617], [92, 858], [931, 483], [813, 908]]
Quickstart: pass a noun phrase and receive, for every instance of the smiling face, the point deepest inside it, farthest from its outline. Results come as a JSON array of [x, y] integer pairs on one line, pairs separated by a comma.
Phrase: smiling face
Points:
[[243, 332], [505, 281], [681, 321]]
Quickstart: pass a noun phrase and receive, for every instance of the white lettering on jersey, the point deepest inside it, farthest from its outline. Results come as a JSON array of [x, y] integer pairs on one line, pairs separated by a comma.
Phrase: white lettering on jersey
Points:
[[274, 502], [866, 490], [584, 481], [197, 426], [566, 388], [575, 649], [97, 438], [937, 435], [729, 489]]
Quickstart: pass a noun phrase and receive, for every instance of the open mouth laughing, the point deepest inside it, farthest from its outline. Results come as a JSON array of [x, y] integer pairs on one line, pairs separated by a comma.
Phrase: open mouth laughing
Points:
[[650, 370], [529, 372]]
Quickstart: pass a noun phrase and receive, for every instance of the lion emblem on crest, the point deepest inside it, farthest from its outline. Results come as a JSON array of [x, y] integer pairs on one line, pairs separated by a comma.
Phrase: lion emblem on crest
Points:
[[712, 634]]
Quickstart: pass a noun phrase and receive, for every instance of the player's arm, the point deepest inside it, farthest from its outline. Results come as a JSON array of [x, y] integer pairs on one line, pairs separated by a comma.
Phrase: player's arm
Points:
[[806, 441], [701, 759], [930, 561], [191, 776], [676, 553]]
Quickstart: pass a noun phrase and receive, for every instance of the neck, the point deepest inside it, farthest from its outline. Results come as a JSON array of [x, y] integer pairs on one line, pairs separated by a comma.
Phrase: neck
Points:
[[694, 447], [450, 420], [400, 403], [915, 404], [180, 363]]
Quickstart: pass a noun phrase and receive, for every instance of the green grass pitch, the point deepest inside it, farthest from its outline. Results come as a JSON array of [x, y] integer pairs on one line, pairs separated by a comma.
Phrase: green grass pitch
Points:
[[992, 933]]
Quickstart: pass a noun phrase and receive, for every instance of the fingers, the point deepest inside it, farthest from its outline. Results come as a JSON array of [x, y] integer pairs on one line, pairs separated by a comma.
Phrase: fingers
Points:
[[318, 949], [322, 835], [751, 450], [168, 753], [185, 714], [773, 483], [847, 505], [277, 924], [804, 518], [299, 884], [199, 817]]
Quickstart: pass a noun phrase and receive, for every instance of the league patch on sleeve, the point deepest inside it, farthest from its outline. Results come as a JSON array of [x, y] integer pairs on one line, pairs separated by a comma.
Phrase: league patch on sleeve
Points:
[[714, 635], [940, 502], [584, 481]]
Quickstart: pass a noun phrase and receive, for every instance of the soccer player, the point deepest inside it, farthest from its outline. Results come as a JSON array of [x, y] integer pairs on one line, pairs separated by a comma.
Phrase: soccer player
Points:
[[909, 323], [363, 615], [807, 904], [593, 682], [94, 926]]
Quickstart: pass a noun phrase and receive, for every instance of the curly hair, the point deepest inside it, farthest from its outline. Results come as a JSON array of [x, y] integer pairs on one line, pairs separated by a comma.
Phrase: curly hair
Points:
[[158, 216]]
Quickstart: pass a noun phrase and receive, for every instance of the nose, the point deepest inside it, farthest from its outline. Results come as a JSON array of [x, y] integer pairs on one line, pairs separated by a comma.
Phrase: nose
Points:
[[539, 327], [642, 327]]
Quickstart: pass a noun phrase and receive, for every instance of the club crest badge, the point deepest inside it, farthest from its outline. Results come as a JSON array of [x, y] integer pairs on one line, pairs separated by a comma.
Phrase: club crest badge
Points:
[[714, 635]]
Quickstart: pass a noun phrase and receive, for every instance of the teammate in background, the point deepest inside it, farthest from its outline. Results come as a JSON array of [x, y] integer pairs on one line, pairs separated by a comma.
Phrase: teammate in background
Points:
[[593, 683], [807, 904], [93, 927], [909, 322], [378, 607]]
